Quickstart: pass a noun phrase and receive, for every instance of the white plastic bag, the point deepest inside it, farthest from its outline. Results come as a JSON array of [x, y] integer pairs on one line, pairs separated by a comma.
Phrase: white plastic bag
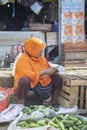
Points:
[[63, 110], [11, 112], [60, 68]]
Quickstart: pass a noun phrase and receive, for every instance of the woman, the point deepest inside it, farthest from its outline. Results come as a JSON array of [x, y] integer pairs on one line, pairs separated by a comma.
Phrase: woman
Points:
[[33, 72]]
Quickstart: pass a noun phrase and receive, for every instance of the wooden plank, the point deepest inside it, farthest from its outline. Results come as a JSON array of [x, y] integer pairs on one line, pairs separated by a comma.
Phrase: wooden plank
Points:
[[40, 27], [69, 78], [73, 96], [64, 95], [74, 61], [73, 64], [66, 88], [81, 104], [74, 56], [86, 98], [74, 47], [81, 73], [76, 68], [74, 50], [75, 80], [51, 38], [79, 82], [81, 76], [62, 101], [74, 77], [66, 81]]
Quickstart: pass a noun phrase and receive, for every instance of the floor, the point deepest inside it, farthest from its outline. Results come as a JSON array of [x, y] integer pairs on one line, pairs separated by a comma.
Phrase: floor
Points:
[[4, 126]]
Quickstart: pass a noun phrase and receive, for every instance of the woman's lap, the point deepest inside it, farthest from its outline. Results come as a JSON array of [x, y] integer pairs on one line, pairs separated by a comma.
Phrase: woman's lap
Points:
[[24, 86]]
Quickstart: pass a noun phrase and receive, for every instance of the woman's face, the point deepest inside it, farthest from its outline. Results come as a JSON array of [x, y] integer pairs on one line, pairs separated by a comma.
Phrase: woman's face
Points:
[[39, 54]]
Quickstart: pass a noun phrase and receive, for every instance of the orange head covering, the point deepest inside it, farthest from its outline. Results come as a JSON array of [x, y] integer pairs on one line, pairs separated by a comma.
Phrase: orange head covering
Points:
[[33, 46]]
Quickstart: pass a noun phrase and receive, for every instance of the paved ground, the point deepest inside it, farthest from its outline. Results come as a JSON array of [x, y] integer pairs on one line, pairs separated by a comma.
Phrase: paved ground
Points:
[[4, 126]]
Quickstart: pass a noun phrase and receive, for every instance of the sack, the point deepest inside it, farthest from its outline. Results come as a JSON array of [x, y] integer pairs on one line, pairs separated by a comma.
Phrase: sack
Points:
[[4, 103], [44, 92]]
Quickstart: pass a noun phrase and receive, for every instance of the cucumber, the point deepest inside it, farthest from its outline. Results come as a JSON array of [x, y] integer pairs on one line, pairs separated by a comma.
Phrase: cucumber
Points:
[[55, 120], [67, 122], [73, 118], [79, 122], [75, 128], [62, 126], [70, 128], [84, 127], [81, 126], [61, 116], [83, 121]]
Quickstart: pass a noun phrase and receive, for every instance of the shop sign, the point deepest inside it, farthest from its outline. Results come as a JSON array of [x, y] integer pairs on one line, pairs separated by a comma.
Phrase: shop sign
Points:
[[72, 21]]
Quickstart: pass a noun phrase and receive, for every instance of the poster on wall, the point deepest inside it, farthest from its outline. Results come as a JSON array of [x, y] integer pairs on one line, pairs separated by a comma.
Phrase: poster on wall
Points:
[[72, 21]]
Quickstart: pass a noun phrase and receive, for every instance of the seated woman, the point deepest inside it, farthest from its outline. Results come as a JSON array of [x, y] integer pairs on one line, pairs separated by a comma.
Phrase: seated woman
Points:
[[33, 72]]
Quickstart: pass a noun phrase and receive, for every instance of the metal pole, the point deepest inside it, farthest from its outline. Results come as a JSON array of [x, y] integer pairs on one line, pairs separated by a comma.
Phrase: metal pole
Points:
[[59, 28], [84, 22]]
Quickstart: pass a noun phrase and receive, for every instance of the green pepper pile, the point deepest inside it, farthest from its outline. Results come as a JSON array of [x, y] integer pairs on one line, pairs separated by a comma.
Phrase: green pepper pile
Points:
[[60, 122]]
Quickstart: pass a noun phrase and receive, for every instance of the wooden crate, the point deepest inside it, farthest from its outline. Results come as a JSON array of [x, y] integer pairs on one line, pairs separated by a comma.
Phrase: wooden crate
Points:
[[52, 38], [74, 55], [74, 92]]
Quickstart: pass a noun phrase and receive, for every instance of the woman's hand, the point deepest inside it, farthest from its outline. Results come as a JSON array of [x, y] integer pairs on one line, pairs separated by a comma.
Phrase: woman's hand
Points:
[[49, 71]]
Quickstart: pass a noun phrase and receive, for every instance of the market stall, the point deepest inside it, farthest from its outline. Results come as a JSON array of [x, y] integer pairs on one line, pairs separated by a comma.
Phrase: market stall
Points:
[[42, 22]]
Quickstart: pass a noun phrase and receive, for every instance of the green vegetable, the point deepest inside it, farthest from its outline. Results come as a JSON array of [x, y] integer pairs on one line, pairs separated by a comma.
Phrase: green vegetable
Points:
[[27, 111], [22, 124], [73, 118], [67, 122], [51, 123], [79, 122], [62, 126], [32, 125], [84, 127], [70, 128], [83, 121], [75, 127], [41, 122], [55, 120]]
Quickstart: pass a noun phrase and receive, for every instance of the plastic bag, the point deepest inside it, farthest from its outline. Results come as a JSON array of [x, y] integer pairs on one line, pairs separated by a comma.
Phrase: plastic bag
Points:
[[11, 112], [36, 115], [36, 7], [59, 67], [63, 110], [4, 103]]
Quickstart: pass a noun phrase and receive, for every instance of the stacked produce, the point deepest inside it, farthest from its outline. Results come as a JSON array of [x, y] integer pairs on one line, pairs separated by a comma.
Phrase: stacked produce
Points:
[[46, 116]]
